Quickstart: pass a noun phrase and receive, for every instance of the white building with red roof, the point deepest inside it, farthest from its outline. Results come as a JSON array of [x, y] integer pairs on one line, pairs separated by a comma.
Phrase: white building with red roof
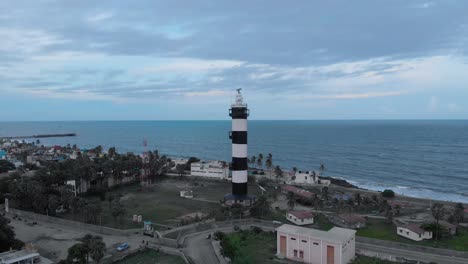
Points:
[[300, 217], [413, 232]]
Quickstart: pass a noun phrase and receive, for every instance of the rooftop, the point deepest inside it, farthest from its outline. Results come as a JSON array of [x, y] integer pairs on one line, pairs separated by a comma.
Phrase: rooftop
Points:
[[17, 255], [413, 227], [336, 234], [297, 191], [302, 214]]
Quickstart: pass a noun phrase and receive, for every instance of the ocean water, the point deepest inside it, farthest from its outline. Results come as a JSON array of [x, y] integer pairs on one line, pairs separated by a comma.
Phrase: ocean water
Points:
[[416, 158]]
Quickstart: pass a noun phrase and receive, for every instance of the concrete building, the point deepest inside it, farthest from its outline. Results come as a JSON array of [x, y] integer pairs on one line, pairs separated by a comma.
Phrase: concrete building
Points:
[[413, 232], [300, 217], [24, 256], [307, 245], [211, 169], [309, 177]]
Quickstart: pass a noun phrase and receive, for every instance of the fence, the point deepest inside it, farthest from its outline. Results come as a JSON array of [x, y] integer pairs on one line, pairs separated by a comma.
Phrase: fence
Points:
[[74, 224], [410, 247]]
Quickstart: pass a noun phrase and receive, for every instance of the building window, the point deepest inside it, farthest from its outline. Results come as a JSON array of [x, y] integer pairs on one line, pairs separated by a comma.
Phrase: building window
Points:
[[292, 238], [301, 254], [407, 233], [304, 241], [401, 230], [315, 243], [306, 177], [295, 253], [419, 235], [302, 220]]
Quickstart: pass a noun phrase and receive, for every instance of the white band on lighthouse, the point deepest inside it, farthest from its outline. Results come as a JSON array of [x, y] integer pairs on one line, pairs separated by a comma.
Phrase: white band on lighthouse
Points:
[[239, 176], [239, 125], [239, 150]]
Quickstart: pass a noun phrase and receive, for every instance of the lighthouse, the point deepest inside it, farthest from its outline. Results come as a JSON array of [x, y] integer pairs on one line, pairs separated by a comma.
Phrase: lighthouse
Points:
[[239, 165]]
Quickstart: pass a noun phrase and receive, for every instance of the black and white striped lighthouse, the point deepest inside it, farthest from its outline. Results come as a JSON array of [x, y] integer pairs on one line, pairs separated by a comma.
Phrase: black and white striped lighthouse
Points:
[[239, 165]]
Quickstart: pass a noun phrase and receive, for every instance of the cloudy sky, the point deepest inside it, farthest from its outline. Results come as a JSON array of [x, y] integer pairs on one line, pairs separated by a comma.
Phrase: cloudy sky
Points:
[[157, 60]]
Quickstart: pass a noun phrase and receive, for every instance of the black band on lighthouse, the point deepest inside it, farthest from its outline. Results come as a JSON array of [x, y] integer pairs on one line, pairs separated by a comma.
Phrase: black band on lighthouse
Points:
[[239, 164], [239, 113], [239, 137], [239, 188]]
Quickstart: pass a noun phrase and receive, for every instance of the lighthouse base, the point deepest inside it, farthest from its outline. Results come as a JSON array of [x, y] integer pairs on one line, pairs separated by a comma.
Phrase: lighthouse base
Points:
[[244, 200]]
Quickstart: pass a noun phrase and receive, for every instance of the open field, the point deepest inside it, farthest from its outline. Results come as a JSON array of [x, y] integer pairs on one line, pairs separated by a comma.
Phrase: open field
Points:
[[151, 256], [161, 202], [378, 229]]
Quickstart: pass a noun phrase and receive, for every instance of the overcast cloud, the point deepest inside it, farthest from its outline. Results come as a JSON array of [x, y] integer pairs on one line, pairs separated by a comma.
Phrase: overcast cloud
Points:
[[64, 60]]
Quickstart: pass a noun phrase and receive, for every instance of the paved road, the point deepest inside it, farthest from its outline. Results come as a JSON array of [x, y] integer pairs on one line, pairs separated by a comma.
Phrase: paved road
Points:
[[411, 255], [199, 249]]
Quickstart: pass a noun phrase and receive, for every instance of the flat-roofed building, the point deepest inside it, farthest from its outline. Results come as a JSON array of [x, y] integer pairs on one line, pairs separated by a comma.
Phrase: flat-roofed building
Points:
[[23, 256], [211, 169], [307, 245]]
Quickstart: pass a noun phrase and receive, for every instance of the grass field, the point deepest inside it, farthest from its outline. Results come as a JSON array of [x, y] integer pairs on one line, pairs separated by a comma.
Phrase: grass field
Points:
[[254, 248], [378, 229], [160, 203], [151, 256]]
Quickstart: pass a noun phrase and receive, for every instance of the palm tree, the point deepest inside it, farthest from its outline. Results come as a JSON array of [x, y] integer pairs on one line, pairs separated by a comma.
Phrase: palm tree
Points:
[[295, 171], [269, 163], [291, 200], [278, 173], [97, 249], [260, 160], [322, 169], [253, 160]]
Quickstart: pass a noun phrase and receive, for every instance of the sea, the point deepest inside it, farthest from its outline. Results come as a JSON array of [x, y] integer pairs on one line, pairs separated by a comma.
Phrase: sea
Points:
[[427, 159]]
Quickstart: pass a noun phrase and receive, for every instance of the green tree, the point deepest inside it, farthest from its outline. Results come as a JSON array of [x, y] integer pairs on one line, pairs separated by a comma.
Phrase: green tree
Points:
[[438, 212], [291, 200], [77, 254], [261, 207], [6, 166], [459, 213], [118, 210], [7, 236], [97, 249], [180, 168], [278, 173]]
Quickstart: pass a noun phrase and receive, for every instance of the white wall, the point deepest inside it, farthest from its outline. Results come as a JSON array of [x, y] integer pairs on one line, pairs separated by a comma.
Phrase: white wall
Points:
[[315, 249], [211, 170], [412, 235], [297, 221]]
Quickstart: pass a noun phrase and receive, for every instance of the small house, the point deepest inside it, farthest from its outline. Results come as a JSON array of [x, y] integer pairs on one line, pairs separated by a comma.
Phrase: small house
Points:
[[413, 232], [300, 217]]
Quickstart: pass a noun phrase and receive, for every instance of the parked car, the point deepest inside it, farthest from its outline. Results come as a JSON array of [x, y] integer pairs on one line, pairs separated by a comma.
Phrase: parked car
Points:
[[123, 247]]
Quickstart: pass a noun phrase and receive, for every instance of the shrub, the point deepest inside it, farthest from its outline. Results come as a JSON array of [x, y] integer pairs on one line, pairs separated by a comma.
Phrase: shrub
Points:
[[388, 194], [219, 235]]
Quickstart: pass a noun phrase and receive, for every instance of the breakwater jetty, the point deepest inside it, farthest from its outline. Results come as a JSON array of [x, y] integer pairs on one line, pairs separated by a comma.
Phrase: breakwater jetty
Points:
[[41, 136]]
